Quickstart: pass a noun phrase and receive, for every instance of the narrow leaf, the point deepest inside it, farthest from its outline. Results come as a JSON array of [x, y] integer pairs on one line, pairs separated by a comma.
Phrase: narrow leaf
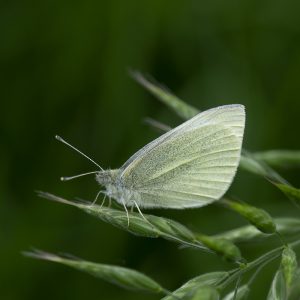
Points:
[[291, 192], [159, 126], [123, 277], [256, 216], [253, 165], [278, 289], [212, 279], [249, 163], [184, 110], [280, 158], [285, 226]]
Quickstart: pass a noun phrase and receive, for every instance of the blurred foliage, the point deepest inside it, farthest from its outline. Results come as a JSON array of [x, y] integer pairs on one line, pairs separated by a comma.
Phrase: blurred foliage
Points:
[[64, 68]]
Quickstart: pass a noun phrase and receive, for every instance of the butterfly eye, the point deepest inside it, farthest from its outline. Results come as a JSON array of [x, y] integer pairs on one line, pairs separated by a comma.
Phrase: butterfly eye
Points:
[[104, 177]]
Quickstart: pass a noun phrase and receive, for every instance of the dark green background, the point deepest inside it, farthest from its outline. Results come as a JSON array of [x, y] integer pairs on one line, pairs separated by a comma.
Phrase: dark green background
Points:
[[64, 69]]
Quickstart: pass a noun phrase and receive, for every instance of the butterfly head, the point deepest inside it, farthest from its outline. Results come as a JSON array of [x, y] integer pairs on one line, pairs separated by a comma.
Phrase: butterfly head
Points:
[[106, 177]]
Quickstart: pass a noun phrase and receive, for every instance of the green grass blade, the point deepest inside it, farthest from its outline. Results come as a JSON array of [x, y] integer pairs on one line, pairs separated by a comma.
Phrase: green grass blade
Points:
[[182, 109], [249, 163], [291, 192], [280, 158], [285, 226], [123, 277]]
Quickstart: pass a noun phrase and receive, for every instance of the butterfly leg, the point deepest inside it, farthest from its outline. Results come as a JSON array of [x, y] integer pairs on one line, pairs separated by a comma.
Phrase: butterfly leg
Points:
[[136, 205], [96, 198], [103, 200], [127, 214]]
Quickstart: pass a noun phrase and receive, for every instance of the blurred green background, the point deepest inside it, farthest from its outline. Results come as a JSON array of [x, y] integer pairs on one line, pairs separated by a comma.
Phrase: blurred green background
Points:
[[64, 70]]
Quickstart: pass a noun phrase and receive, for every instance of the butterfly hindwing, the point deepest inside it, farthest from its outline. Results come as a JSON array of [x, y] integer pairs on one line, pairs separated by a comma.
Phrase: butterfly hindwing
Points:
[[191, 169]]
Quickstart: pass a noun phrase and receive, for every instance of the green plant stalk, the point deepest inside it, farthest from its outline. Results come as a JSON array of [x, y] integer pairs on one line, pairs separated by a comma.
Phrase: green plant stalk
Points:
[[155, 227], [123, 277], [160, 229], [267, 257]]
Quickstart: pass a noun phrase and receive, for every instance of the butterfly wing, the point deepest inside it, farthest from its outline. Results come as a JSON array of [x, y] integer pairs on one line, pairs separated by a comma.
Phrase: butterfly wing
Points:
[[190, 166], [232, 116]]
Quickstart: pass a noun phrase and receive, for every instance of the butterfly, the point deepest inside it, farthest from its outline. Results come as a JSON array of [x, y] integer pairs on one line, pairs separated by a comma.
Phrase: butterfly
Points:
[[190, 166]]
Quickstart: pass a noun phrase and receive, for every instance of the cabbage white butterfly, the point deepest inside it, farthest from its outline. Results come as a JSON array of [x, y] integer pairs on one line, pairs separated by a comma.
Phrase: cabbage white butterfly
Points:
[[191, 165]]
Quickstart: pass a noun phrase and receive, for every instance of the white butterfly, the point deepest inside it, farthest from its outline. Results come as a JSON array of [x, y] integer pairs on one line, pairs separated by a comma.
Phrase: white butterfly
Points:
[[192, 165]]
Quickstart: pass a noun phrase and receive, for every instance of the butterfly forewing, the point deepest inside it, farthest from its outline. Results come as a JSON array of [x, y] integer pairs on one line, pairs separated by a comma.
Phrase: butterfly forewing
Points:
[[232, 116]]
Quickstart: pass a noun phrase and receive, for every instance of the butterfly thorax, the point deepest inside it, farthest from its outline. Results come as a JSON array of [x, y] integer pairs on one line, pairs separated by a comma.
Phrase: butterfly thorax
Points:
[[114, 187]]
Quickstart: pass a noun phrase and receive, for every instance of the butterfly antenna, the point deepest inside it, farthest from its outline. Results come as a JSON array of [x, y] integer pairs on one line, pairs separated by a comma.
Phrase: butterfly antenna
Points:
[[76, 176], [66, 143]]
